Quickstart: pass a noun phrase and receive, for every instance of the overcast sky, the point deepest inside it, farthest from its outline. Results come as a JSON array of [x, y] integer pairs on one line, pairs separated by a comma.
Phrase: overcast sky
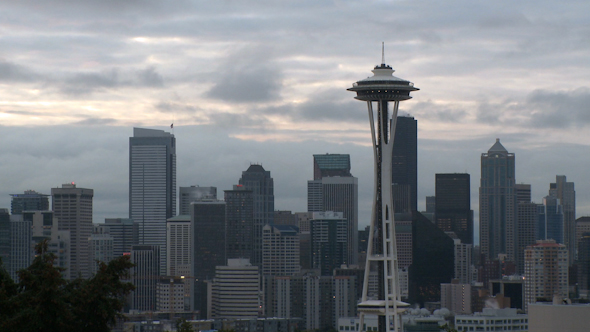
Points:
[[265, 82]]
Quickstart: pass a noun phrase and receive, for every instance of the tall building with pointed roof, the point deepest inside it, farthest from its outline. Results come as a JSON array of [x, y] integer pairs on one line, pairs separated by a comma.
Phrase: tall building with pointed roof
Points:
[[497, 200]]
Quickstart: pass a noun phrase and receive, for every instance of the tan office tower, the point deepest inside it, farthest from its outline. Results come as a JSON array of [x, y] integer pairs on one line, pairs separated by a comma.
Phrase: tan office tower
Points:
[[72, 207], [545, 272]]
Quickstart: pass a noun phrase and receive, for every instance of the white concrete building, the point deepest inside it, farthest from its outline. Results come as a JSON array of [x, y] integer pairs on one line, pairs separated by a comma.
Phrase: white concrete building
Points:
[[493, 320]]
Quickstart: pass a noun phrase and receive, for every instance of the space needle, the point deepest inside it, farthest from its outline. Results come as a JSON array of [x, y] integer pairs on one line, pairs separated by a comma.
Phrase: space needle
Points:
[[385, 91]]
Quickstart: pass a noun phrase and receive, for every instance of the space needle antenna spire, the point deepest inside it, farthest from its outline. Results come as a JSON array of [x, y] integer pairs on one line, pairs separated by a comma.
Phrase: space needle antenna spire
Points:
[[382, 92]]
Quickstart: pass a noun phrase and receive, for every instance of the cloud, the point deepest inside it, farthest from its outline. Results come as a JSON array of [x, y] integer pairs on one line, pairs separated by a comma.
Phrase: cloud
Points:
[[99, 81], [542, 109], [246, 76], [14, 73], [96, 122]]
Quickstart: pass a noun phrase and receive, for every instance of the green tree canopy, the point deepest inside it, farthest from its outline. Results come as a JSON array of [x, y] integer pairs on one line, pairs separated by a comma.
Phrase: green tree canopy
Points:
[[43, 300]]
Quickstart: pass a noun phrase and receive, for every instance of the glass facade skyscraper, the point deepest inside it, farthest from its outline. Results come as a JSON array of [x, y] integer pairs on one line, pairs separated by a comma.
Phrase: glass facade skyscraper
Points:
[[152, 185], [497, 199]]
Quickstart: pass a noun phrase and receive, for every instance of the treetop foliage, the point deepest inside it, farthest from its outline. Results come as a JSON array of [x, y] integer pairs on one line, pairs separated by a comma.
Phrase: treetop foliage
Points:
[[43, 300]]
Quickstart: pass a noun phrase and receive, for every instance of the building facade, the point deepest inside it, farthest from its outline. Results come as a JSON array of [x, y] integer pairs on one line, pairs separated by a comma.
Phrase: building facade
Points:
[[72, 206], [329, 245], [545, 272], [497, 203], [280, 250], [453, 205], [404, 165], [565, 192], [30, 200], [235, 291], [259, 181], [145, 276], [333, 188], [188, 195], [239, 223], [152, 185]]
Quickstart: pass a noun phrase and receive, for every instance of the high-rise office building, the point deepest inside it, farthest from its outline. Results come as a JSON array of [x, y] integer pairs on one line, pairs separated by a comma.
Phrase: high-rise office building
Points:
[[152, 185], [239, 223], [235, 290], [72, 206], [29, 201], [192, 194], [433, 254], [566, 194], [453, 205], [527, 216], [100, 245], [456, 297], [545, 272], [582, 226], [21, 255], [404, 165], [180, 246], [125, 233], [335, 189], [145, 275], [583, 262], [329, 244], [45, 226], [430, 204], [286, 218], [208, 218], [280, 250], [550, 222], [259, 181], [497, 200], [5, 236]]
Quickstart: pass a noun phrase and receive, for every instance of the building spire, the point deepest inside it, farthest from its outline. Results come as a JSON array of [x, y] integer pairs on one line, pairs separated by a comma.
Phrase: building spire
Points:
[[382, 53]]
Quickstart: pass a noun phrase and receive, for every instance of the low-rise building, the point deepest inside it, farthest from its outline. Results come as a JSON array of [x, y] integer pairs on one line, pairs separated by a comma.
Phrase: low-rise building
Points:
[[493, 320]]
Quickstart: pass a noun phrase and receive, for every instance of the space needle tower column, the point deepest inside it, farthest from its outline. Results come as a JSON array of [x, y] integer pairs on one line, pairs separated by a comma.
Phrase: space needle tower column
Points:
[[384, 91]]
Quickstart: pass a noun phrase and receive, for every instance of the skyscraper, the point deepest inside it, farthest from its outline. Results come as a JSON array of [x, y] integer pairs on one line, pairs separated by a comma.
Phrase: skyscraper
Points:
[[280, 250], [72, 207], [152, 185], [550, 222], [545, 272], [125, 233], [328, 241], [208, 218], [497, 203], [566, 194], [453, 205], [29, 201], [404, 165], [144, 276], [239, 223], [335, 189], [527, 216], [235, 290], [258, 180], [192, 194], [180, 246]]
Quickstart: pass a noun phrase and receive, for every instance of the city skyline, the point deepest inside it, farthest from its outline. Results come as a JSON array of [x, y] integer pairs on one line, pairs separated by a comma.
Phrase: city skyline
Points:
[[74, 85]]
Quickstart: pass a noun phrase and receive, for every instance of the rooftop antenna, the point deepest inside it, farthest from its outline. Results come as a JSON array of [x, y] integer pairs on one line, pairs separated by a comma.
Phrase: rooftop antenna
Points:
[[382, 52]]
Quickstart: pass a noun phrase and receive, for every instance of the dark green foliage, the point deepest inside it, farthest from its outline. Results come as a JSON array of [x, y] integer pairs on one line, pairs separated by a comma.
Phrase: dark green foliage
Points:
[[184, 326], [44, 301]]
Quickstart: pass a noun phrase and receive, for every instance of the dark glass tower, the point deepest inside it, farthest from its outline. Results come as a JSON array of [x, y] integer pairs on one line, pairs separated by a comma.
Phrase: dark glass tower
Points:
[[404, 165], [29, 201], [208, 218], [497, 199], [258, 180], [453, 205], [239, 223]]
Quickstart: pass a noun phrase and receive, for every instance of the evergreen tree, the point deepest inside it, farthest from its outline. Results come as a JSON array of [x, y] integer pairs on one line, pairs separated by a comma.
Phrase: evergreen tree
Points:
[[43, 300]]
